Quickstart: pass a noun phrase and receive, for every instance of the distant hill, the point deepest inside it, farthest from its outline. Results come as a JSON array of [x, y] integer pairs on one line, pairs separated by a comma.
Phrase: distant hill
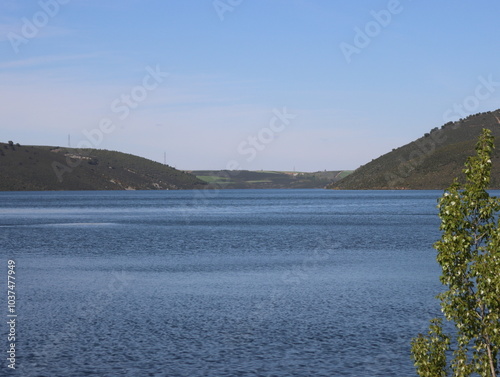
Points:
[[39, 168], [431, 162], [245, 179]]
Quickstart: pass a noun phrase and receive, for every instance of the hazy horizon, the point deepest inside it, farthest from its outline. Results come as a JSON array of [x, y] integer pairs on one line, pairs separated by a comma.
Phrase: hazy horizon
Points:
[[311, 85]]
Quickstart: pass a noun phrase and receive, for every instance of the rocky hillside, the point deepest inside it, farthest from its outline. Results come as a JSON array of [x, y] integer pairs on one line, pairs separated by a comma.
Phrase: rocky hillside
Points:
[[37, 168]]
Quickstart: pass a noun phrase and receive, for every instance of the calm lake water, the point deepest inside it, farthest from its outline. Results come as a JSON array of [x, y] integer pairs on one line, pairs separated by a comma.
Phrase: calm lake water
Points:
[[233, 283]]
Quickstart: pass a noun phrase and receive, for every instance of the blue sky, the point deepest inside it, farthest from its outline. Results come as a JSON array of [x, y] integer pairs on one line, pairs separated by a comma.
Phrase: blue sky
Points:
[[246, 84]]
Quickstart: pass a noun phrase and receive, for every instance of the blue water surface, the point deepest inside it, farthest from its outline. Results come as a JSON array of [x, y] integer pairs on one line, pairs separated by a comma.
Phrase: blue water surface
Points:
[[220, 283]]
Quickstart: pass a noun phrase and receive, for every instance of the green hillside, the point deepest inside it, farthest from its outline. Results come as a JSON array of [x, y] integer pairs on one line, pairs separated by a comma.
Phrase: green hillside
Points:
[[431, 162], [245, 179], [39, 168]]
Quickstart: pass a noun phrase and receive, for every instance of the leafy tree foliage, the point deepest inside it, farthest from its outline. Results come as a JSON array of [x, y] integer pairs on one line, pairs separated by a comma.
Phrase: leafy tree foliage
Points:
[[469, 255]]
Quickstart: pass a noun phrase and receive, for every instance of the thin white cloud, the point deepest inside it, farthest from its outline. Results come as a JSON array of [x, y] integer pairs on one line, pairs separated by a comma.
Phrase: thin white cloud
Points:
[[39, 61], [15, 27], [199, 118]]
